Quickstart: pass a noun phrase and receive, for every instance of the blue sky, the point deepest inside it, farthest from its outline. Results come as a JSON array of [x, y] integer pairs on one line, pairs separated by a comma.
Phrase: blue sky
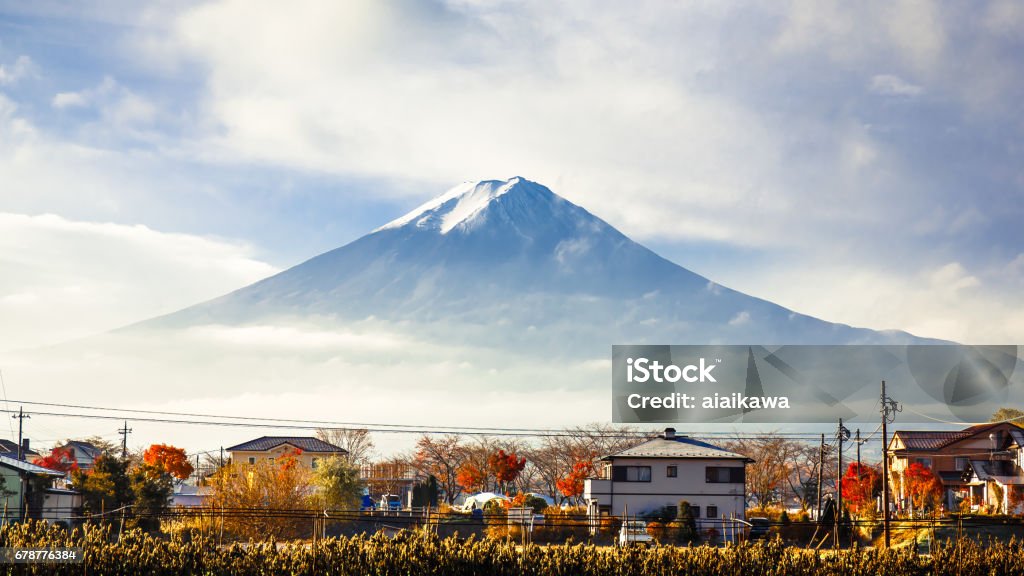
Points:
[[858, 162]]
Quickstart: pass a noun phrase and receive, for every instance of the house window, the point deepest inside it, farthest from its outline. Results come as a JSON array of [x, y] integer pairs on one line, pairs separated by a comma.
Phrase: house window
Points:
[[712, 511], [724, 475], [631, 473], [672, 511], [961, 463], [696, 511], [926, 462], [672, 471], [252, 459], [314, 463]]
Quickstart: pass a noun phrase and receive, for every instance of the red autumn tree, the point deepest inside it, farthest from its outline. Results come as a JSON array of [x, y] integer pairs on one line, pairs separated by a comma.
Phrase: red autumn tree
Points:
[[923, 486], [289, 458], [61, 459], [572, 485], [505, 467], [859, 486], [167, 458], [470, 477]]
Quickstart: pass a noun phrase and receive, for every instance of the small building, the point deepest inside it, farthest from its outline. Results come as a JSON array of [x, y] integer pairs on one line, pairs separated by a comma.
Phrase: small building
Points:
[[60, 505], [20, 494], [394, 478], [190, 496], [269, 448], [663, 471]]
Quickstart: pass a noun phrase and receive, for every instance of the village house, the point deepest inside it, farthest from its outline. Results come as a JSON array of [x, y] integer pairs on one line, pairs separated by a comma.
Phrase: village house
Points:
[[269, 448], [664, 470], [980, 464], [84, 453], [27, 491]]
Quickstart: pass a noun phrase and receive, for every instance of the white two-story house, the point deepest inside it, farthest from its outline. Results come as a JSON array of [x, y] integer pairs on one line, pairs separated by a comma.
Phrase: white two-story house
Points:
[[664, 470]]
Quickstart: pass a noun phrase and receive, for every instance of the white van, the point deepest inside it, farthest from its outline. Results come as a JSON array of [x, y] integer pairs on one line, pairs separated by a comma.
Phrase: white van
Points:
[[634, 532]]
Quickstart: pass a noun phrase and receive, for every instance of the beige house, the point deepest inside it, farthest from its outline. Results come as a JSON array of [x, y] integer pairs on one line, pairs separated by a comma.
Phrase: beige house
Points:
[[664, 470], [982, 463], [310, 451]]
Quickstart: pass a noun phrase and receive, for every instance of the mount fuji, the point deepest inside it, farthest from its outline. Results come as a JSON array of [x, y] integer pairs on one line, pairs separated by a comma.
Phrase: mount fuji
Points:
[[512, 264]]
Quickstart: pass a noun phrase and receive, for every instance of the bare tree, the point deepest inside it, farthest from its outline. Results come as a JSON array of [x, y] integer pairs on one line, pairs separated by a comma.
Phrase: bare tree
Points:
[[553, 457], [782, 467], [357, 441], [440, 457]]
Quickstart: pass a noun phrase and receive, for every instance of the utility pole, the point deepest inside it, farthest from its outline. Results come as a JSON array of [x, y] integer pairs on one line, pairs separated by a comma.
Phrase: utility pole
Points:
[[889, 410], [841, 434], [21, 442], [821, 467], [858, 455], [21, 456], [124, 432]]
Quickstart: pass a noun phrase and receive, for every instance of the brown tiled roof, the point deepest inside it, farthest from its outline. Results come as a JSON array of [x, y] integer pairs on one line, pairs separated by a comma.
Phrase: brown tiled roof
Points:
[[936, 439]]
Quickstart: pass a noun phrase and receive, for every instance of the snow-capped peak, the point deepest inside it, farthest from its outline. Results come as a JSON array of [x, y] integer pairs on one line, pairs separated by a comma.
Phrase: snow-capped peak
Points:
[[460, 204]]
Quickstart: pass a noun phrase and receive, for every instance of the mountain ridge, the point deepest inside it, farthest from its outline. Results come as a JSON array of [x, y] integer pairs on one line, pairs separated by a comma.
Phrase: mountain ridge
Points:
[[512, 255]]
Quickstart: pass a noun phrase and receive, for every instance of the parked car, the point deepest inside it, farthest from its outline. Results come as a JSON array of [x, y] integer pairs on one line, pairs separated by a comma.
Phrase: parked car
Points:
[[759, 528], [634, 532]]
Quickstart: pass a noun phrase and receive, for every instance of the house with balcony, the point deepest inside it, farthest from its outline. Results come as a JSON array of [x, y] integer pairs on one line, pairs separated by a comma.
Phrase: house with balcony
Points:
[[664, 470], [310, 450], [982, 464]]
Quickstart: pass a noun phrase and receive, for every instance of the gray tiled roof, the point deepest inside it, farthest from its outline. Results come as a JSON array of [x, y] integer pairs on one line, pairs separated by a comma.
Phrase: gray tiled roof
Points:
[[8, 447], [86, 448], [26, 467], [304, 443], [677, 447]]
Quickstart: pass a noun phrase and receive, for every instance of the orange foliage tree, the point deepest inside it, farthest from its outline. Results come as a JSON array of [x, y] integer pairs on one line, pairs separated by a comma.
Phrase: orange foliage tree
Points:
[[505, 467], [289, 459], [470, 477], [923, 486], [61, 459], [166, 458], [571, 486], [279, 488], [859, 485]]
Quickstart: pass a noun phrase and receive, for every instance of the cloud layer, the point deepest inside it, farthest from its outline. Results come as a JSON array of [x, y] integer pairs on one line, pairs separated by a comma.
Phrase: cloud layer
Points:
[[65, 279]]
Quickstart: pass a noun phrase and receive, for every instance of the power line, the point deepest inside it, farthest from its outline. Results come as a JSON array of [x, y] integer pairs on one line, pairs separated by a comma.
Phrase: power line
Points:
[[394, 428], [301, 424]]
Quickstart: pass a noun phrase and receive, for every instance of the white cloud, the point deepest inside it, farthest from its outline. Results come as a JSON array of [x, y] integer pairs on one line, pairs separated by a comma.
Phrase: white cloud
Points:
[[945, 301], [740, 319], [65, 279], [442, 98], [69, 100], [13, 72], [121, 109], [279, 338], [892, 85]]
